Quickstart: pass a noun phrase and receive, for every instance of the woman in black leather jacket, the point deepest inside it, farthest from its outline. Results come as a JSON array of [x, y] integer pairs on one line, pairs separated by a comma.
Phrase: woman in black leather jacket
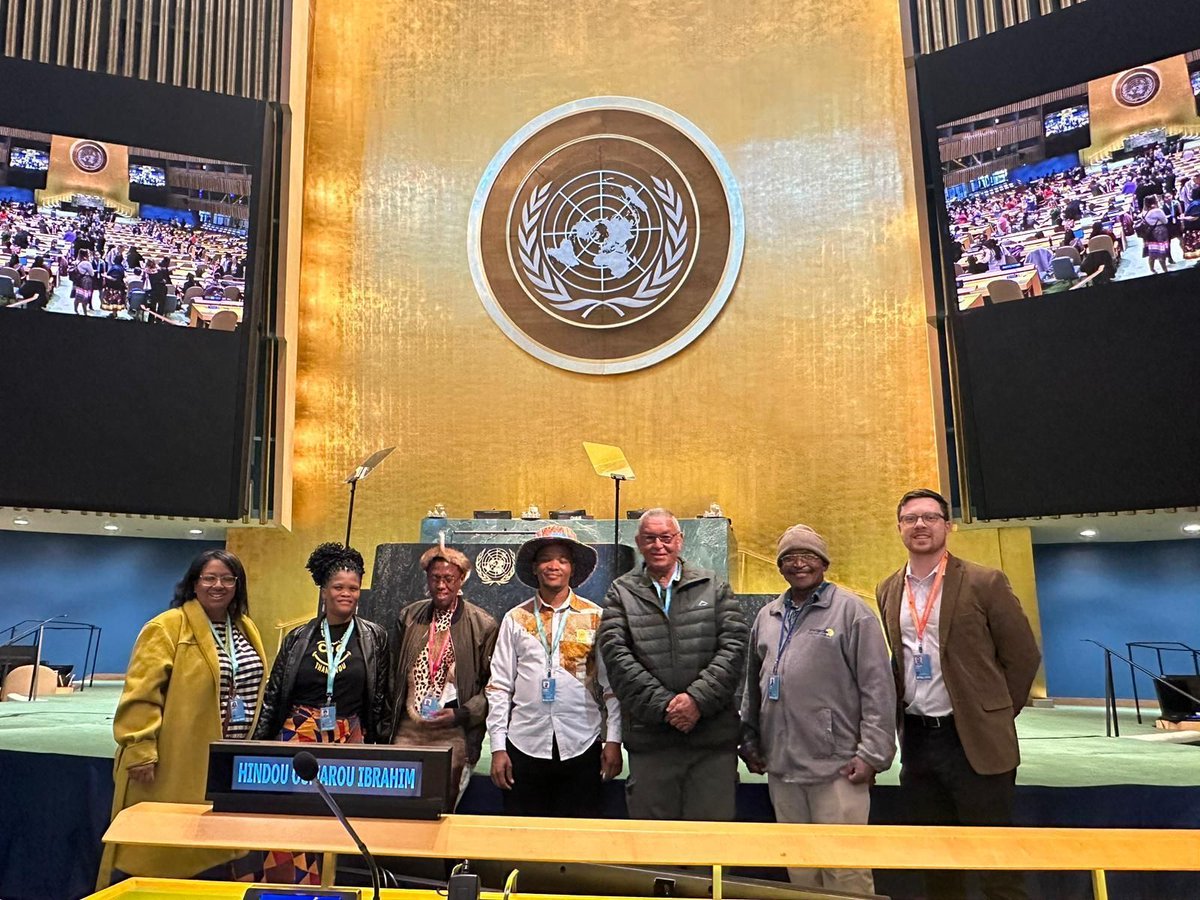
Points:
[[329, 682]]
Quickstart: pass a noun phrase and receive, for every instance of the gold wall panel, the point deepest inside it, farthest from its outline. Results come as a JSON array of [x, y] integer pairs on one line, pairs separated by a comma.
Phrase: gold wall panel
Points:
[[1010, 549], [1172, 108], [808, 399], [65, 179]]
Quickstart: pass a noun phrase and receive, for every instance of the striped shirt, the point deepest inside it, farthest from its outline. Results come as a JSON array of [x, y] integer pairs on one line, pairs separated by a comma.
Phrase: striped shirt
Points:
[[249, 677]]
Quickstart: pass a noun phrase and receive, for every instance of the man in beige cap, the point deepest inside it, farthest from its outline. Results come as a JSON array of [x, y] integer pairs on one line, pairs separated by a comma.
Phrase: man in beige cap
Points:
[[819, 709]]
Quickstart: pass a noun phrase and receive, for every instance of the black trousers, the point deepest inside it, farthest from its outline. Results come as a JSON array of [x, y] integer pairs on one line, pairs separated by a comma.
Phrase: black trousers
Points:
[[555, 787], [939, 787]]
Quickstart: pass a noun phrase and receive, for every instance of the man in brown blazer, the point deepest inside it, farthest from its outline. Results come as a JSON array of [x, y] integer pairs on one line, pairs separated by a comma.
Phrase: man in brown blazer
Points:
[[964, 658]]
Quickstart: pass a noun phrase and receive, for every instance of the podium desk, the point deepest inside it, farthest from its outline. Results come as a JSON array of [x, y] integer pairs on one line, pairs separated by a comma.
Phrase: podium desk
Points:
[[397, 578], [712, 845], [708, 543]]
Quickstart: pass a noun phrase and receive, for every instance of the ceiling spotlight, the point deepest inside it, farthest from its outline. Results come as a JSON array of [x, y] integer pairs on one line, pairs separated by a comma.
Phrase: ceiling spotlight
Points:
[[1191, 528], [21, 520], [195, 531], [109, 526], [1088, 533]]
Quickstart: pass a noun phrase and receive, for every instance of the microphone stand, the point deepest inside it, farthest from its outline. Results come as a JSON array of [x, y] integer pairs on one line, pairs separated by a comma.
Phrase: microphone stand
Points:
[[358, 842], [609, 462], [616, 554], [368, 465], [364, 469]]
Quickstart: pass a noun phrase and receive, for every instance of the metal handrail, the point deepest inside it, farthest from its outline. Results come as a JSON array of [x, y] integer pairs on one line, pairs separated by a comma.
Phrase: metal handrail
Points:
[[1158, 647], [1111, 727], [91, 655]]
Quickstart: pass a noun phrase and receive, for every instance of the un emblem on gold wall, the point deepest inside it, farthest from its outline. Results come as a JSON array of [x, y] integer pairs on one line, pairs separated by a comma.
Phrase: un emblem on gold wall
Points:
[[1137, 87], [89, 156], [606, 235]]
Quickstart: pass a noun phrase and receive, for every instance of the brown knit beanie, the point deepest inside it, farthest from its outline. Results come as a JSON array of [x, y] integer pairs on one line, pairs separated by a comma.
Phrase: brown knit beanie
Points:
[[801, 537]]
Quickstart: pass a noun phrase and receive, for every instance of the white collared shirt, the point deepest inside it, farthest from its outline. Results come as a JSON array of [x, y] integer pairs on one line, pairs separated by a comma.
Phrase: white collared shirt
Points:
[[584, 708], [923, 698]]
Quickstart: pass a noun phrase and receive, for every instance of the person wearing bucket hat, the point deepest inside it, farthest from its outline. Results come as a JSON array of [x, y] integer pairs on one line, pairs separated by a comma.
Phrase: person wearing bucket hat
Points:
[[819, 705], [441, 662], [674, 643], [554, 724]]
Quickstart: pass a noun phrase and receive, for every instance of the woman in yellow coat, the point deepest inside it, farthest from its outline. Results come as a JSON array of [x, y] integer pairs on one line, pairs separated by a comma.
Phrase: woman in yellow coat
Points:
[[195, 676]]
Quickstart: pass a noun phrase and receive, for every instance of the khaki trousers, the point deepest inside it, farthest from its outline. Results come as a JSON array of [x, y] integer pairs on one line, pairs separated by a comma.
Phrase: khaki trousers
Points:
[[836, 802]]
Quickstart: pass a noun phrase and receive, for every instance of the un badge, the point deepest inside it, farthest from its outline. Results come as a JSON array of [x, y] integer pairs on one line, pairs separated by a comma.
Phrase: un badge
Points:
[[606, 235]]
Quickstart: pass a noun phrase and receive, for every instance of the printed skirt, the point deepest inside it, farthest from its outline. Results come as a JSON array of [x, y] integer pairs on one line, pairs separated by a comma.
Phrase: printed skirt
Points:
[[289, 866], [302, 724]]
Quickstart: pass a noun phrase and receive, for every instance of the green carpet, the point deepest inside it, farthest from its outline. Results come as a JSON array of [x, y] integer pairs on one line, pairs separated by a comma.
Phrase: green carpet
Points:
[[1063, 747]]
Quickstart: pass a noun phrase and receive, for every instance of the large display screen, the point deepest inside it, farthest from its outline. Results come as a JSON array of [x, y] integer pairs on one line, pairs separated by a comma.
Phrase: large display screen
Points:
[[88, 247], [148, 176], [1127, 206], [29, 158], [1070, 119], [128, 323], [1066, 292]]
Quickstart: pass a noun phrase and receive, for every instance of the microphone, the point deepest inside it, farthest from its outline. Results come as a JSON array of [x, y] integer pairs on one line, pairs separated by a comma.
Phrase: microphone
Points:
[[306, 766]]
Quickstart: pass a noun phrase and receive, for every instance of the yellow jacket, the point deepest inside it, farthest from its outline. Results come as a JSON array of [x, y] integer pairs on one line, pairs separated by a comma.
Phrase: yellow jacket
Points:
[[169, 712]]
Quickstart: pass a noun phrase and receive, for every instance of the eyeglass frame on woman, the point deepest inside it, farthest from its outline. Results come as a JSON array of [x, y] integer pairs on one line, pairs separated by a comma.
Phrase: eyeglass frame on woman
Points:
[[214, 580]]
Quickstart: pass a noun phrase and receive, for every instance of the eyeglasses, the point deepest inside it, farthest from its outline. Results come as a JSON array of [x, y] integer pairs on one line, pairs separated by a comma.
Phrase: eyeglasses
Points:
[[444, 579], [803, 556], [651, 539], [223, 580], [910, 520]]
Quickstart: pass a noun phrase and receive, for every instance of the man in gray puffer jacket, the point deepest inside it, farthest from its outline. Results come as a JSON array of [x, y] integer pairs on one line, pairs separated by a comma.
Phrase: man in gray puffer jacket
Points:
[[674, 642]]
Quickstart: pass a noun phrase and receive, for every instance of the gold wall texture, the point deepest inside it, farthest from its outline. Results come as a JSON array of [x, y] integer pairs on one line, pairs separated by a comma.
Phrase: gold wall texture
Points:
[[1173, 108], [65, 179], [808, 399]]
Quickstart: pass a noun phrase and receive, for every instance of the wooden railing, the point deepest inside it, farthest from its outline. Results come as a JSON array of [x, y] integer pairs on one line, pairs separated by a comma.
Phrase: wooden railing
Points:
[[714, 845]]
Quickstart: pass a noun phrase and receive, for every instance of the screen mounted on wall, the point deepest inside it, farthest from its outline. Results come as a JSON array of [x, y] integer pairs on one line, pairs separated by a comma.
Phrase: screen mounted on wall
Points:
[[132, 274], [147, 176], [29, 158], [1105, 182], [1065, 223], [98, 241]]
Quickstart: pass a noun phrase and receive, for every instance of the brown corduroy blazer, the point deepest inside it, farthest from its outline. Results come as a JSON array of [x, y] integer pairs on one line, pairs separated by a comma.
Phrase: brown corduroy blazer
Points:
[[989, 658]]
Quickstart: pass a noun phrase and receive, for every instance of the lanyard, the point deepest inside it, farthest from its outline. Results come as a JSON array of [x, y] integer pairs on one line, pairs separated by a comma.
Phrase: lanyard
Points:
[[791, 619], [435, 663], [919, 622], [330, 659], [664, 593], [559, 627], [228, 646]]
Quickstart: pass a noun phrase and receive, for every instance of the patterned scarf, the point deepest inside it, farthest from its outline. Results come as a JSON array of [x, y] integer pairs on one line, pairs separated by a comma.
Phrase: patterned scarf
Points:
[[426, 684]]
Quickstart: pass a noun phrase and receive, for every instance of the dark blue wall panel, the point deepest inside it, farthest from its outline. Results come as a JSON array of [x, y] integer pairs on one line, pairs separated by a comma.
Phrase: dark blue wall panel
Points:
[[1114, 593], [115, 582]]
